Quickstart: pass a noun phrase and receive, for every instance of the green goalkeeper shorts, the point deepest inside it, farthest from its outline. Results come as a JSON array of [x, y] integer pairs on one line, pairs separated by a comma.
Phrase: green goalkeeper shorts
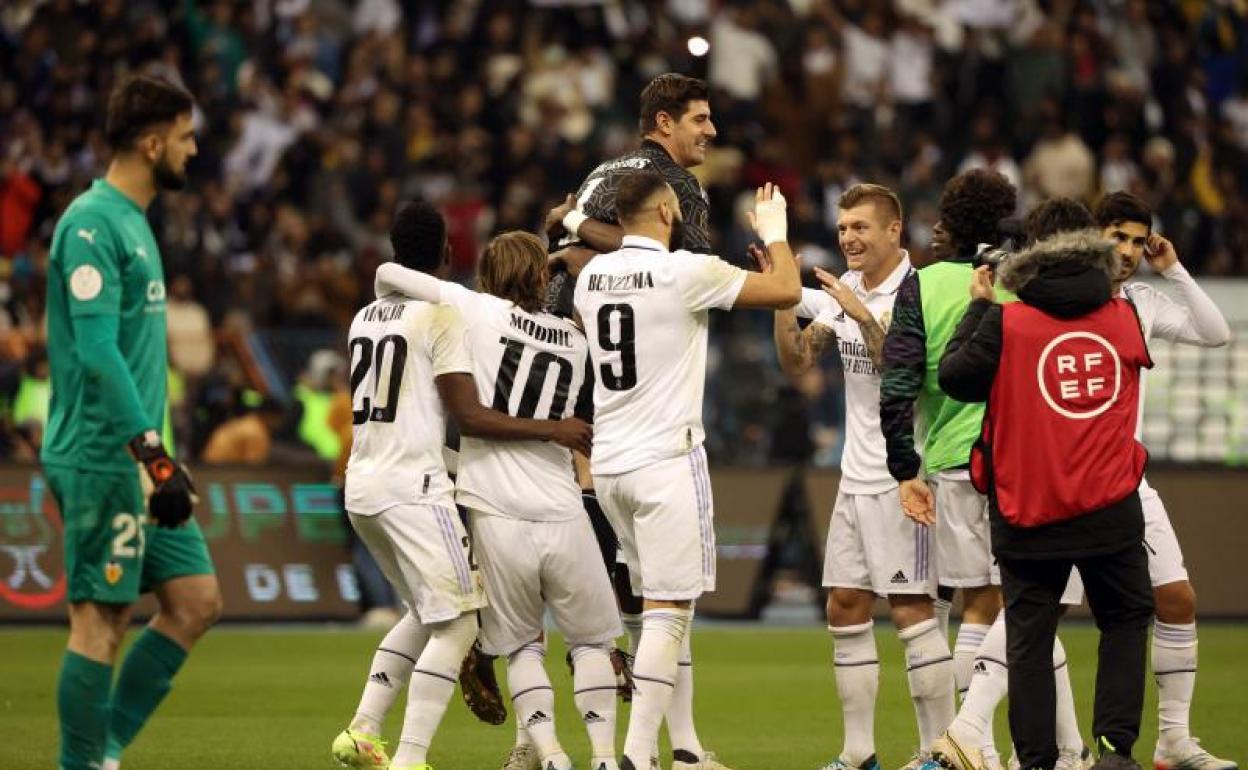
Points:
[[111, 554]]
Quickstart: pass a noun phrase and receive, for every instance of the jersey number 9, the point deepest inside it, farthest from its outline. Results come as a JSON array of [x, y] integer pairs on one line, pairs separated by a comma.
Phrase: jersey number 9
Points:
[[625, 344]]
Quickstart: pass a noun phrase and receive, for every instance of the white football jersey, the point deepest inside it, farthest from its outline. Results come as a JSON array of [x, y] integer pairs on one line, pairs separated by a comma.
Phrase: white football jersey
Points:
[[397, 347], [528, 365], [864, 463], [645, 315], [1195, 321]]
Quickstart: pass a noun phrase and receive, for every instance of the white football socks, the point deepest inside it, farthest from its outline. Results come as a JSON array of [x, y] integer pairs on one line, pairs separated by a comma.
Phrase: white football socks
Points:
[[533, 698], [970, 638], [654, 671], [1174, 666], [680, 727], [593, 683], [389, 673], [929, 670], [988, 687], [857, 667], [433, 683]]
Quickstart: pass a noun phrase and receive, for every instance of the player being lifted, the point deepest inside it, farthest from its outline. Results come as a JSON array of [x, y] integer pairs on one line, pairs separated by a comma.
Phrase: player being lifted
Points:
[[529, 530], [126, 532], [645, 314], [1193, 320], [410, 365], [676, 128], [872, 549]]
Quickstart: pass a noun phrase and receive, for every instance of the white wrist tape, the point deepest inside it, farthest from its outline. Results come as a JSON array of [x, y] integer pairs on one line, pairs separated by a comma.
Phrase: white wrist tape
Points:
[[572, 221]]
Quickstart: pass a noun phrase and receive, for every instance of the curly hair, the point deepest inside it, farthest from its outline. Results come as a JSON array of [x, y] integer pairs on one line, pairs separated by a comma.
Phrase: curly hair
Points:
[[418, 236], [972, 206]]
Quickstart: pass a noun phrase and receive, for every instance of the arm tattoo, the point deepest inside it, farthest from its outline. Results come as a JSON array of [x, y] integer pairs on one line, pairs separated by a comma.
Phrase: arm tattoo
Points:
[[873, 338], [816, 339], [801, 348]]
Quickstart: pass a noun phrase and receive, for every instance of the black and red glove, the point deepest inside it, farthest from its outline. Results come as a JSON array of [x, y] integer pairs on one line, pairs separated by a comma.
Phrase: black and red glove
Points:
[[167, 484]]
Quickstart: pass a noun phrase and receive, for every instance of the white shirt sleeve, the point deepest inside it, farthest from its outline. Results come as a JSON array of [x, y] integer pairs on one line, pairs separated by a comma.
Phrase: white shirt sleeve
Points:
[[1194, 319], [815, 303], [448, 342], [393, 277], [706, 281]]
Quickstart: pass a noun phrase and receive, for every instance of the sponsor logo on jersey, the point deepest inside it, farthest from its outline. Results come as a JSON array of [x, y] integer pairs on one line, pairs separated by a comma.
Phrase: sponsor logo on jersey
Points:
[[627, 282], [85, 283]]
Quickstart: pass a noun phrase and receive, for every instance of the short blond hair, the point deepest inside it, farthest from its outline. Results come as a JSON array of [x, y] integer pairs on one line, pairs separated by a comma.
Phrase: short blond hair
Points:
[[513, 267], [885, 200]]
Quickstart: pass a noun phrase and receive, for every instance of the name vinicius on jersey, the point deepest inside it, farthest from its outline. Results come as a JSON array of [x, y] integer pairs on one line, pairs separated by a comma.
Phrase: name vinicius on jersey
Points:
[[379, 313]]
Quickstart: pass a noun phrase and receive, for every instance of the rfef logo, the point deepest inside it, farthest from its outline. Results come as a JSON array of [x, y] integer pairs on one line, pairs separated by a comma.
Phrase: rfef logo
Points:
[[1080, 375]]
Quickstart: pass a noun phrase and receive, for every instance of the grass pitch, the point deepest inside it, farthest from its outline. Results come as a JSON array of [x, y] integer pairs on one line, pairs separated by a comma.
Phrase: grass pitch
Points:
[[267, 699]]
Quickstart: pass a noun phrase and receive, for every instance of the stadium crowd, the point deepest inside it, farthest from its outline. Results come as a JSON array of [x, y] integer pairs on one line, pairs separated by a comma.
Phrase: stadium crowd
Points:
[[316, 118]]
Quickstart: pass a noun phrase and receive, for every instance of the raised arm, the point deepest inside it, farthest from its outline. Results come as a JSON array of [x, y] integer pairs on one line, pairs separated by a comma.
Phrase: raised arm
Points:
[[1195, 319], [393, 278], [872, 332], [780, 288], [600, 236]]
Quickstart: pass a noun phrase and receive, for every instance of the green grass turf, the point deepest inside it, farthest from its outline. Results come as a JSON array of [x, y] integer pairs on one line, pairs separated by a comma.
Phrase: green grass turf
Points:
[[765, 700]]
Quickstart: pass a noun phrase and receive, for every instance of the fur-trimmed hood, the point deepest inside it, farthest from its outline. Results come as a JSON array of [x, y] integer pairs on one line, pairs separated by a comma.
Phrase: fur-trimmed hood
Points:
[[1087, 248], [1067, 275]]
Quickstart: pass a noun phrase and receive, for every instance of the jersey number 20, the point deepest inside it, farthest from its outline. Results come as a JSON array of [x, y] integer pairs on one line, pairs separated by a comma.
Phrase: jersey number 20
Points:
[[398, 362]]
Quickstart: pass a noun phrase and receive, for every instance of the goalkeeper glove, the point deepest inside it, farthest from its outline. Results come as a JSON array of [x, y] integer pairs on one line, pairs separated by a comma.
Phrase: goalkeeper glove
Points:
[[166, 484]]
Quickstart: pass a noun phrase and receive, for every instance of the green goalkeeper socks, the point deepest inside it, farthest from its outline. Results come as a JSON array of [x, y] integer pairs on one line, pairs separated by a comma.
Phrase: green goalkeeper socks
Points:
[[146, 678], [82, 704]]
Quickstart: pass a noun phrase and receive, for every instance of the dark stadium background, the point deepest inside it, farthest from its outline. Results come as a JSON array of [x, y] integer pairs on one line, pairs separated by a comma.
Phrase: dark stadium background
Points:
[[316, 118]]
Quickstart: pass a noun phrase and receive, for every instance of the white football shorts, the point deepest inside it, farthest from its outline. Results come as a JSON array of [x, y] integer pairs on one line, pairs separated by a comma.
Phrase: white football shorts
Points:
[[872, 546], [963, 539], [424, 551], [664, 517], [532, 565]]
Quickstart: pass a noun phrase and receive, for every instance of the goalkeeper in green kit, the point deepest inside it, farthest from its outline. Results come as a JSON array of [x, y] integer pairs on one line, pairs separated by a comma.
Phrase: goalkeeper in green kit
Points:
[[125, 503]]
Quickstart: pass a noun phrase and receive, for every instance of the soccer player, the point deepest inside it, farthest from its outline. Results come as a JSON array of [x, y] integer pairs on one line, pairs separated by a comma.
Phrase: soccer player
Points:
[[872, 549], [528, 525], [410, 365], [127, 531], [676, 128], [928, 307], [1193, 319], [644, 311]]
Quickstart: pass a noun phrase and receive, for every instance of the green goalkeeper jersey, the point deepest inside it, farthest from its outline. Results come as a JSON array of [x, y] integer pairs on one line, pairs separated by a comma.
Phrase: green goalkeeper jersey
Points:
[[106, 332]]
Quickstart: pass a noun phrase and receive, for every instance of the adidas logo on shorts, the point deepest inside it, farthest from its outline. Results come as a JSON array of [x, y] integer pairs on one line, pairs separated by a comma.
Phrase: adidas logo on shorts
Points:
[[899, 578]]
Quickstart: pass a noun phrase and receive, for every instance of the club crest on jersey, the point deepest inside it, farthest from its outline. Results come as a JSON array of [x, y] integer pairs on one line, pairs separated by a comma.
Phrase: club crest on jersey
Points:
[[85, 283], [112, 572], [886, 320]]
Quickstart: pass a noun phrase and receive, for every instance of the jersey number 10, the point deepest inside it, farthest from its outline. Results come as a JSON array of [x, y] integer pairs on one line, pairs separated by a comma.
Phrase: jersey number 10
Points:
[[533, 384], [398, 362]]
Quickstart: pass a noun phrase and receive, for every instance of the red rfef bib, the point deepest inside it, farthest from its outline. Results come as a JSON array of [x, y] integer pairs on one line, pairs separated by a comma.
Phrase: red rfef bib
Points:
[[1058, 439]]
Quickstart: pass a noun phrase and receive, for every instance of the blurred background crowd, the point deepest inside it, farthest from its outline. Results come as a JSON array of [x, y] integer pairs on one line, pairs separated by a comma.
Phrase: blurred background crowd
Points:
[[317, 118]]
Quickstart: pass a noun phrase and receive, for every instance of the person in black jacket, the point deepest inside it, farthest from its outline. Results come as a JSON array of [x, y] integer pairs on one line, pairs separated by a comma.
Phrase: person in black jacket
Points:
[[1067, 277]]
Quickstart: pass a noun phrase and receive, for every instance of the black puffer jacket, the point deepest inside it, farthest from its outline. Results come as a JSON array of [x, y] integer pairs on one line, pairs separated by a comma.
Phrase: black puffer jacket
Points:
[[1067, 276]]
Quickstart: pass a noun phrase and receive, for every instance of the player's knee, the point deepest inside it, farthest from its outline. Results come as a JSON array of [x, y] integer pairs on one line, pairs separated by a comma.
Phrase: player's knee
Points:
[[981, 605], [849, 607], [1175, 602], [195, 613], [907, 611]]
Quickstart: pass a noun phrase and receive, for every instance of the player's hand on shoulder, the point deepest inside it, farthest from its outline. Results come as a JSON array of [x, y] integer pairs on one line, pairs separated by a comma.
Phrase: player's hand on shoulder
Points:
[[1160, 253], [167, 484], [770, 215], [573, 433], [554, 217]]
